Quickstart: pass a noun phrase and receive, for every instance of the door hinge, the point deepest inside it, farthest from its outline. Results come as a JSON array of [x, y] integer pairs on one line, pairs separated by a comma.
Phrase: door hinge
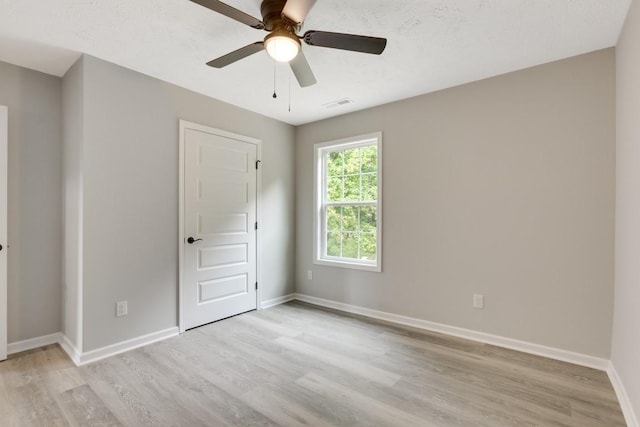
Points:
[[256, 225], [258, 163], [256, 286]]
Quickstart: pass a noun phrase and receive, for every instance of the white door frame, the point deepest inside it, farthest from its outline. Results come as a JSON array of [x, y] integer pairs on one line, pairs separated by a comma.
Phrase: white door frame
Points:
[[184, 125], [4, 180]]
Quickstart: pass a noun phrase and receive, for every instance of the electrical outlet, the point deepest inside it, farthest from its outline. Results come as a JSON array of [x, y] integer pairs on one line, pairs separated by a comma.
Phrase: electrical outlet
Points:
[[121, 308], [309, 274], [478, 301]]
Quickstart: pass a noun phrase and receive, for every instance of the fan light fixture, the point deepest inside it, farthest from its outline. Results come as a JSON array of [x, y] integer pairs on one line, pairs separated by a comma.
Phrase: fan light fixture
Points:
[[283, 20], [282, 45]]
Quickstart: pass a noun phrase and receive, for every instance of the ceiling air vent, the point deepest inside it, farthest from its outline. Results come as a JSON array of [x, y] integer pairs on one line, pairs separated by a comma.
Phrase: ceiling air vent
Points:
[[338, 103]]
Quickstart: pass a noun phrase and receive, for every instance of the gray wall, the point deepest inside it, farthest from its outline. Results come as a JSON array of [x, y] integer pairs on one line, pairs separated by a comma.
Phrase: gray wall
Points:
[[35, 201], [503, 187], [130, 198], [625, 347]]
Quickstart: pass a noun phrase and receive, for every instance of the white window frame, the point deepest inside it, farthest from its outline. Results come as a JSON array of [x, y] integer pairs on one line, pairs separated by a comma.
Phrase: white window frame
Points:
[[321, 150]]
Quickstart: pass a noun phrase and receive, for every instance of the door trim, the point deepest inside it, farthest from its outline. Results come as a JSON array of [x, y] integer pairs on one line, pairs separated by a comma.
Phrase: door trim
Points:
[[183, 126], [4, 240]]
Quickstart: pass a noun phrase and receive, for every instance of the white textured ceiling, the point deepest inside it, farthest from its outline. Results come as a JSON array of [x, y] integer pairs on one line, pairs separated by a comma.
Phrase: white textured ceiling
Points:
[[432, 44]]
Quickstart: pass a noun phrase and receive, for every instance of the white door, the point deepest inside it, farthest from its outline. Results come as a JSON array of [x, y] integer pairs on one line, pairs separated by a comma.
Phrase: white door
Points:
[[219, 269], [3, 231]]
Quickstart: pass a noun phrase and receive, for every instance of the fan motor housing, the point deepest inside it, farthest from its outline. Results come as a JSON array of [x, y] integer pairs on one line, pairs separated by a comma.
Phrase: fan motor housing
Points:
[[272, 18]]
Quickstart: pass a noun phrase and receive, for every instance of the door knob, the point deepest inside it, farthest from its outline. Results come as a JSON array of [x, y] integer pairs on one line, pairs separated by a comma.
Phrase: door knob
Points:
[[191, 240], [0, 247]]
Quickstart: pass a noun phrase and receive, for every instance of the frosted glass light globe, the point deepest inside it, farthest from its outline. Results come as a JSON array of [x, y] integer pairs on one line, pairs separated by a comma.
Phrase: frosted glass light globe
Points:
[[282, 46]]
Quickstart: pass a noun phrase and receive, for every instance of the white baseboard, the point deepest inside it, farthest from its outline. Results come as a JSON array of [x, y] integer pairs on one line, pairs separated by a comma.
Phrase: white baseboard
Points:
[[123, 346], [277, 301], [71, 350], [80, 358], [30, 344], [627, 409], [526, 347]]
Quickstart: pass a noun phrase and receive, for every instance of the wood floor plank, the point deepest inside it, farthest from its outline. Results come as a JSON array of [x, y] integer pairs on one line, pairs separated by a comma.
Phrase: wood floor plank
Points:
[[195, 394], [287, 409], [7, 407], [370, 411], [123, 400], [28, 396], [64, 379], [472, 369], [367, 371], [300, 365], [84, 408]]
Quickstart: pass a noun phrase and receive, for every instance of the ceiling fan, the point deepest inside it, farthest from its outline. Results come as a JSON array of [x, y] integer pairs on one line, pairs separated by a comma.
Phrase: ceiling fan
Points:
[[283, 19]]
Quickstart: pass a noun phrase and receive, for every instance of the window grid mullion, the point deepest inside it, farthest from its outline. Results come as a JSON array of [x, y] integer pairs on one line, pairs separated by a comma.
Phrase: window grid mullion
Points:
[[359, 198], [325, 205], [342, 176], [356, 203], [342, 208], [358, 231]]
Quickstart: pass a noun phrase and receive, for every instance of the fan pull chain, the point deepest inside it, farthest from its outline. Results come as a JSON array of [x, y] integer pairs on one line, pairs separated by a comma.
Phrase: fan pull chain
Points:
[[289, 92], [274, 80]]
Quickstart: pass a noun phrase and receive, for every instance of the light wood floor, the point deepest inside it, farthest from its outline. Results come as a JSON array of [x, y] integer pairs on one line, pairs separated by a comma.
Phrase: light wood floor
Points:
[[296, 364]]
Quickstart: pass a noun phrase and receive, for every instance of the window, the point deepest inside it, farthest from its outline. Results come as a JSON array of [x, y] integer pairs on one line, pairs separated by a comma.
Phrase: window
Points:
[[348, 186]]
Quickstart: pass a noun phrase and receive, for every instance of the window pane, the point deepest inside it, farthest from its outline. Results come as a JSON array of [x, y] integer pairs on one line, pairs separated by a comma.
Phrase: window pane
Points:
[[334, 242], [369, 159], [350, 218], [334, 188], [368, 219], [334, 218], [368, 246], [370, 187], [352, 161], [334, 163], [352, 188], [350, 245]]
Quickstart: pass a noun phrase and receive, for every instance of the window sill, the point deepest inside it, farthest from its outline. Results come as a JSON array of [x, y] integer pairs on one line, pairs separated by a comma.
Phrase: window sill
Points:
[[376, 268]]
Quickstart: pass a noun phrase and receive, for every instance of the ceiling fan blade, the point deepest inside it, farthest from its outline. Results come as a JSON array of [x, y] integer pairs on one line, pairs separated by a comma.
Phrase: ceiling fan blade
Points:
[[296, 10], [231, 12], [302, 70], [236, 55], [353, 42]]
